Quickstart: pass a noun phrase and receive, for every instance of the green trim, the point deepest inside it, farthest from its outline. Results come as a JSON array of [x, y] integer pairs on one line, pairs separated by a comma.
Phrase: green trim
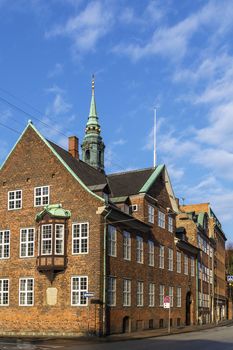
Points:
[[152, 178], [58, 157], [54, 210]]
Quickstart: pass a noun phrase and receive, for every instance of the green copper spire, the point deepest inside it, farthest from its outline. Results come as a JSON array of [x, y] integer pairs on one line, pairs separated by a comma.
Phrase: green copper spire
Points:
[[93, 146]]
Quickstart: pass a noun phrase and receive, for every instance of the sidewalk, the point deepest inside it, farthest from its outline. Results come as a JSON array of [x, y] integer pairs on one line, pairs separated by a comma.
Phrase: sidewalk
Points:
[[163, 332]]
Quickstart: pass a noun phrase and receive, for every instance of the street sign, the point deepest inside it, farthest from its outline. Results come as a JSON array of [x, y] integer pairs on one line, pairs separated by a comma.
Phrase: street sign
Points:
[[89, 294], [166, 302], [229, 278]]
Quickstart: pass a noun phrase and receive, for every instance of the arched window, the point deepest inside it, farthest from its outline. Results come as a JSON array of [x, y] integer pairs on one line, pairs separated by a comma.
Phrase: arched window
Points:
[[87, 154]]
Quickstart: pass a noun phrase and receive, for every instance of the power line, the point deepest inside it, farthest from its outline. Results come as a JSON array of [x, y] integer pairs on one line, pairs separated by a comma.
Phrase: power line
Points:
[[8, 127], [30, 115]]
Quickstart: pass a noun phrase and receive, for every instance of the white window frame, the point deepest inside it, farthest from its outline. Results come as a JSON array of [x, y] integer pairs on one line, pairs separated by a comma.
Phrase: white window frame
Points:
[[80, 237], [3, 292], [140, 287], [111, 292], [41, 196], [151, 214], [126, 246], [170, 259], [161, 256], [126, 292], [178, 296], [151, 253], [192, 266], [112, 241], [161, 294], [171, 295], [139, 249], [46, 239], [14, 200], [151, 294], [134, 207], [178, 262], [5, 244], [161, 219], [26, 291], [186, 267], [62, 239], [170, 223], [79, 291], [27, 242]]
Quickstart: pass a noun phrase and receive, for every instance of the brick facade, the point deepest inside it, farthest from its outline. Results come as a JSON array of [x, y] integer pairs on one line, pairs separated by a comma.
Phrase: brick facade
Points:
[[105, 203]]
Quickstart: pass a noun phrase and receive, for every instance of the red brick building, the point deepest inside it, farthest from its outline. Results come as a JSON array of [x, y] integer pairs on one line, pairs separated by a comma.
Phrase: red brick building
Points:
[[205, 232], [67, 229]]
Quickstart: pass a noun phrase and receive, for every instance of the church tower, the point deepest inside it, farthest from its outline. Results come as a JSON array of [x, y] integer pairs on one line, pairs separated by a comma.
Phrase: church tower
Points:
[[93, 146]]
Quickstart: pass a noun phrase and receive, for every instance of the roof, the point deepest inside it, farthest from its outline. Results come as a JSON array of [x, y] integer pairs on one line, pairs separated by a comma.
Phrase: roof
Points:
[[54, 210], [128, 183], [89, 175]]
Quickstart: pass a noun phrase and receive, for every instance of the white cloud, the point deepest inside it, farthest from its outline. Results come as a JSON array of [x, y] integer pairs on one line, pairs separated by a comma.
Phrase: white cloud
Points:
[[58, 106], [56, 71], [87, 27], [119, 142], [173, 41]]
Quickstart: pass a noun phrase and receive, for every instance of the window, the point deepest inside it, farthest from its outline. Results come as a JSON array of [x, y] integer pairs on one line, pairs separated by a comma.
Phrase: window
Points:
[[192, 266], [134, 207], [79, 286], [112, 241], [170, 259], [151, 214], [41, 196], [27, 242], [59, 239], [80, 235], [170, 224], [151, 294], [211, 277], [111, 291], [139, 251], [140, 294], [161, 219], [211, 252], [26, 291], [178, 262], [126, 292], [4, 244], [186, 265], [161, 294], [171, 296], [151, 253], [161, 257], [46, 240], [178, 301], [4, 292], [14, 199], [126, 245]]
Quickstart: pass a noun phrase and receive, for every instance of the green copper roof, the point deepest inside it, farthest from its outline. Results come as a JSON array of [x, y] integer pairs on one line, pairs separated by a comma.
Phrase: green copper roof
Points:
[[93, 118], [200, 219], [54, 210], [152, 178]]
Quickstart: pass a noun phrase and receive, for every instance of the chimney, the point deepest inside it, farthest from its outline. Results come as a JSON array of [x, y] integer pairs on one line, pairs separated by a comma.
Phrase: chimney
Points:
[[73, 146]]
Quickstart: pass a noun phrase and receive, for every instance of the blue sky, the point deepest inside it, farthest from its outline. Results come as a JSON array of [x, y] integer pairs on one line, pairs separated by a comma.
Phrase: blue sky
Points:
[[176, 55]]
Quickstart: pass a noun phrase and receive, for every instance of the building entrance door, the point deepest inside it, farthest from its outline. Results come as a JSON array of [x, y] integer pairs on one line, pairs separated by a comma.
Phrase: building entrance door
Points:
[[188, 309]]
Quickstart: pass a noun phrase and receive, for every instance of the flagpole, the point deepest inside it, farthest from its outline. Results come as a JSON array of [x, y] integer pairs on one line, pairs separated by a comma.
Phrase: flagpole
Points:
[[155, 137]]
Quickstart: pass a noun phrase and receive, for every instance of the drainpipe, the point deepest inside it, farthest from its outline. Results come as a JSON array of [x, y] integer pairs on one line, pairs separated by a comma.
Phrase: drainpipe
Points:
[[104, 271], [197, 295]]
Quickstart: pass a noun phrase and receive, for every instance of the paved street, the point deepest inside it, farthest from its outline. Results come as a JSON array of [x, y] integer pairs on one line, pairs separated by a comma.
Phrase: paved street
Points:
[[220, 338]]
